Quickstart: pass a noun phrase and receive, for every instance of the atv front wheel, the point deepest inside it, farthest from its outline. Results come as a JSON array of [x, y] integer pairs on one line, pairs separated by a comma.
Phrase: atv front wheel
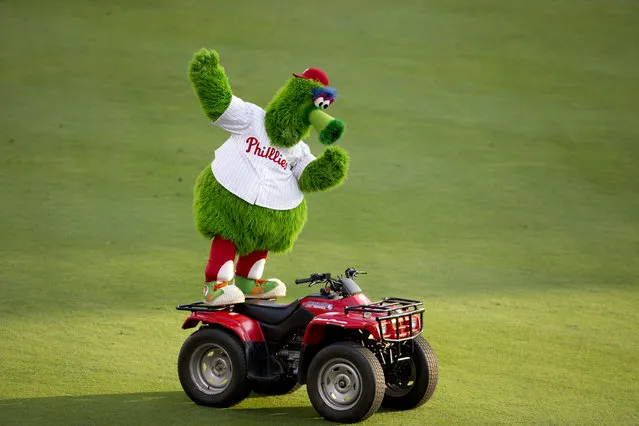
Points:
[[411, 382], [345, 382], [212, 368]]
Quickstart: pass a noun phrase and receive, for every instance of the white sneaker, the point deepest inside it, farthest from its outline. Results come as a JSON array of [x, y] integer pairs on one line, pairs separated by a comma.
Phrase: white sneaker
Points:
[[261, 289], [221, 293]]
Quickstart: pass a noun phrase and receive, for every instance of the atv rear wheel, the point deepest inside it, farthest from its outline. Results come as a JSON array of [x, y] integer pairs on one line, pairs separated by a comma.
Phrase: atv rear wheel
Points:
[[410, 383], [345, 382], [212, 368]]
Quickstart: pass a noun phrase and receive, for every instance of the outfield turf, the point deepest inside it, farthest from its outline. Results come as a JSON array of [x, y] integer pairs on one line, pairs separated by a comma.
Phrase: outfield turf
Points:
[[494, 175]]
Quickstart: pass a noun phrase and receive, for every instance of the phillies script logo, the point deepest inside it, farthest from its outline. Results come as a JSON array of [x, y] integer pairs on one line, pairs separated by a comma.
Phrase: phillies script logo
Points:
[[270, 153]]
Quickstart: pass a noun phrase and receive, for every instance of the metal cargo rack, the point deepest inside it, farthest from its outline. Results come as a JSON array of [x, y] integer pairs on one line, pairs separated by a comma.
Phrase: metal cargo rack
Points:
[[384, 308]]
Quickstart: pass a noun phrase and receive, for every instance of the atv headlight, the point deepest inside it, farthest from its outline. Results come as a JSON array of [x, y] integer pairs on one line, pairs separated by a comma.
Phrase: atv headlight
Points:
[[387, 328], [414, 322]]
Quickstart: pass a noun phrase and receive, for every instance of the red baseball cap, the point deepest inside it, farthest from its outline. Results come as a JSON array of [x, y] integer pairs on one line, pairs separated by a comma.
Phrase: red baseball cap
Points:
[[314, 74]]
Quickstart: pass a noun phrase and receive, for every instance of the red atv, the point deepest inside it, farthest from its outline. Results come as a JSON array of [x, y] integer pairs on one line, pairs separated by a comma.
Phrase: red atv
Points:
[[353, 354]]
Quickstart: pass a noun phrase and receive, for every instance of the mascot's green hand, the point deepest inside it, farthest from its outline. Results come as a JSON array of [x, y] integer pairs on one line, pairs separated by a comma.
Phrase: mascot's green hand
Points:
[[204, 60], [210, 83], [325, 172]]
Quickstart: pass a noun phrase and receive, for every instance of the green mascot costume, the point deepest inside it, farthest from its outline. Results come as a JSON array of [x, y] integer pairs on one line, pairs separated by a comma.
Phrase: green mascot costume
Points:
[[250, 201]]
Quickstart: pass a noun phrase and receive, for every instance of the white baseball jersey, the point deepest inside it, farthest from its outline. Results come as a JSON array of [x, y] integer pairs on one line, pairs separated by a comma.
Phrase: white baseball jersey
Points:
[[250, 167]]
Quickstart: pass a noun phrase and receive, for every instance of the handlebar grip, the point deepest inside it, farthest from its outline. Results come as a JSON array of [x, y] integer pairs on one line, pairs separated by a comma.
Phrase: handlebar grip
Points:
[[303, 280]]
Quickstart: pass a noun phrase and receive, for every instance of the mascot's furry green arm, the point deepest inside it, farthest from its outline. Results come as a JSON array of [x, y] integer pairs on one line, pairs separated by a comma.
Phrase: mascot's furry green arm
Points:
[[250, 199]]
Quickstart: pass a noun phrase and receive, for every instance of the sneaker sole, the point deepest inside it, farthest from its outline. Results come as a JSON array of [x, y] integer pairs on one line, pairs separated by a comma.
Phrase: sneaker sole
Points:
[[279, 291]]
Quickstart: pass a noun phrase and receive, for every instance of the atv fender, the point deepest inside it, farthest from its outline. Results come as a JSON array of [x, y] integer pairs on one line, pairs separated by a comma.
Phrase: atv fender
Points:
[[245, 328], [315, 330]]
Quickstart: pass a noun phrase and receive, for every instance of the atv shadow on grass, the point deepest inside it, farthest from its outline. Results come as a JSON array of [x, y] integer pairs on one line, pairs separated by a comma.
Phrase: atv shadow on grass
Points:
[[161, 408]]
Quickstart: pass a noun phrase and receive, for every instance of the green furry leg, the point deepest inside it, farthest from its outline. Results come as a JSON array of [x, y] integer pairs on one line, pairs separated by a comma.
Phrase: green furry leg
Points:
[[250, 227]]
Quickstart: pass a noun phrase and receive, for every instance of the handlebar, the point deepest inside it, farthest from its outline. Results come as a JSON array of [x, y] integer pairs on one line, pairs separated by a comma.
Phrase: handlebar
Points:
[[352, 273], [314, 278], [342, 285], [326, 276]]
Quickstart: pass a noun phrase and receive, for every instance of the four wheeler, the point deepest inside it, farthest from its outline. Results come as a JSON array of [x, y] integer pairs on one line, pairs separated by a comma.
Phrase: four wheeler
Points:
[[353, 354]]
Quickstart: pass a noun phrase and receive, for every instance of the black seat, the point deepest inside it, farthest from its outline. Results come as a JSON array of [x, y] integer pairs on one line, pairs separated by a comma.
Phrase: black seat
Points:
[[266, 311]]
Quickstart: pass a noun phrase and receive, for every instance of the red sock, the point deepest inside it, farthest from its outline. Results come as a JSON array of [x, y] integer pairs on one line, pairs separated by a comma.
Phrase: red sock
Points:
[[246, 263], [222, 251]]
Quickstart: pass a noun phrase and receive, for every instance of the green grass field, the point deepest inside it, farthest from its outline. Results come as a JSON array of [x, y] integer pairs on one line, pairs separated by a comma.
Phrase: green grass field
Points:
[[494, 175]]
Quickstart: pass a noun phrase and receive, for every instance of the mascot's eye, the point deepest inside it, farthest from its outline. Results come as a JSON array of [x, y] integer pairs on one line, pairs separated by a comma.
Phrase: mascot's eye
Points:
[[327, 102], [319, 101]]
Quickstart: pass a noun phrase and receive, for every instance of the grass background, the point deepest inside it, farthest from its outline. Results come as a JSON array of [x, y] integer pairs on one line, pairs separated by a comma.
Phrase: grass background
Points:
[[494, 175]]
